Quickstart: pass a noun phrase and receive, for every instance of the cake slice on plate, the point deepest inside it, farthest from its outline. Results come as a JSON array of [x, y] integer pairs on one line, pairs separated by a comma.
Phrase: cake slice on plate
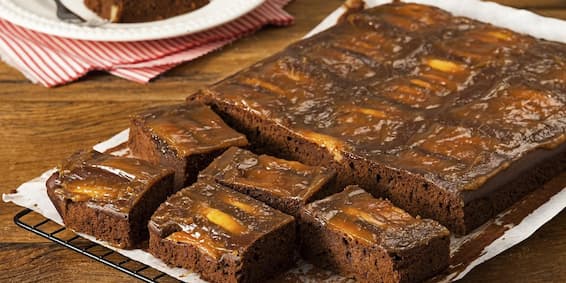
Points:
[[134, 11]]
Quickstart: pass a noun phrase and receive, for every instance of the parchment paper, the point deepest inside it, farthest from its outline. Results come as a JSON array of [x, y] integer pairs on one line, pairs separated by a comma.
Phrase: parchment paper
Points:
[[506, 230]]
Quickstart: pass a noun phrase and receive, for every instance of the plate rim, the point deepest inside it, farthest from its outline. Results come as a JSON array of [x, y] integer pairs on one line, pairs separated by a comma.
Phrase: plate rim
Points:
[[172, 27]]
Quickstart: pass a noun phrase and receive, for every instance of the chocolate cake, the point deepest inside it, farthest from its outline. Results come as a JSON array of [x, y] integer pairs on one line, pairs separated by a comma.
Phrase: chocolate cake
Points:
[[282, 184], [448, 117], [109, 197], [134, 11], [370, 239], [184, 137], [223, 235]]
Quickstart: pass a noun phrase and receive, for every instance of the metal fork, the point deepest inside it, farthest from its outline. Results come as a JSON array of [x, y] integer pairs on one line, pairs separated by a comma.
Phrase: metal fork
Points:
[[66, 15]]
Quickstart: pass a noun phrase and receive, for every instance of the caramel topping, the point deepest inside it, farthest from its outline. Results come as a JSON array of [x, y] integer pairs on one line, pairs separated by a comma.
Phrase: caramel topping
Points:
[[241, 205], [424, 162], [263, 84], [226, 221], [516, 108], [445, 65], [411, 95], [216, 219], [459, 97], [501, 34], [373, 45], [483, 44], [86, 191], [191, 129], [363, 216], [421, 83], [412, 17], [343, 64], [115, 12], [372, 112], [351, 228], [107, 179], [456, 142], [274, 176]]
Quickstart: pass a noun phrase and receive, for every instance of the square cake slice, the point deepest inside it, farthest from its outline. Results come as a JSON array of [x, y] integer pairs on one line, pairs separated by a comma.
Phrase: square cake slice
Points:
[[109, 197], [356, 234], [222, 234], [184, 137], [282, 184]]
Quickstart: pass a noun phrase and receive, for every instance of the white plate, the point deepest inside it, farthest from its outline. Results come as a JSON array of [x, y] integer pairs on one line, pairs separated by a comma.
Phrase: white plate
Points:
[[39, 15]]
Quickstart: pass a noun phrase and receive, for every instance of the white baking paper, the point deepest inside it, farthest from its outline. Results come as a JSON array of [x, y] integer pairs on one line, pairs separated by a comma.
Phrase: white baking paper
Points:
[[480, 242]]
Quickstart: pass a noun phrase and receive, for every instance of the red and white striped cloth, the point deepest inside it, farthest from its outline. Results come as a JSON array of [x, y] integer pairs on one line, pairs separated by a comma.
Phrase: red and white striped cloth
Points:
[[51, 60]]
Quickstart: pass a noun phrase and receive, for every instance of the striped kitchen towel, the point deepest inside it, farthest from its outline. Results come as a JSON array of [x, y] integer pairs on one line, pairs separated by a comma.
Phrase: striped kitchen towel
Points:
[[51, 60]]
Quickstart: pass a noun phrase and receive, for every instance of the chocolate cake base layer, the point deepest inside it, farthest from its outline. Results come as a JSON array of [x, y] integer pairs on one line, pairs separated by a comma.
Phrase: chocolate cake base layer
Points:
[[337, 251], [126, 231], [129, 11], [408, 191], [267, 257]]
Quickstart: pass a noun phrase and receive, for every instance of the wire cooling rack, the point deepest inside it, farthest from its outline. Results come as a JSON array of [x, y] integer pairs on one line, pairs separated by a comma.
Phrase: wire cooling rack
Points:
[[36, 223]]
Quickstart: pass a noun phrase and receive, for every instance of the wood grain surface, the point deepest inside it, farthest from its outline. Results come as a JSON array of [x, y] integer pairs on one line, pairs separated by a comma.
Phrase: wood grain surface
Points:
[[40, 126]]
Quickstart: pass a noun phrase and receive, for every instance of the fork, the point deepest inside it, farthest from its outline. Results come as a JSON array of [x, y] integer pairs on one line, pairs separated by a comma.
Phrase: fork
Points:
[[66, 15]]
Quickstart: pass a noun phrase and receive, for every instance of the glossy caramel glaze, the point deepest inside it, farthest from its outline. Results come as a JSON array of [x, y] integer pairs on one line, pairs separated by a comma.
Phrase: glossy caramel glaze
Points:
[[373, 221], [191, 129], [218, 221], [274, 176], [411, 87], [104, 180]]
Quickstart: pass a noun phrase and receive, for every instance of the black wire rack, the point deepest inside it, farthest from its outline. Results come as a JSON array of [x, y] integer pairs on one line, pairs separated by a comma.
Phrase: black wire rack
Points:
[[38, 224]]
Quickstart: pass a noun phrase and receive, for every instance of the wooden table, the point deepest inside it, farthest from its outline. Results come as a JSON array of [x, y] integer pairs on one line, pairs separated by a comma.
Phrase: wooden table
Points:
[[41, 126]]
